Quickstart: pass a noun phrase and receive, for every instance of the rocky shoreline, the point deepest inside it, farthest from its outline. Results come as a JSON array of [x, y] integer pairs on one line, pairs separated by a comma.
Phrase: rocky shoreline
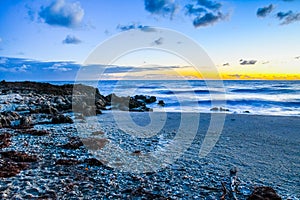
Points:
[[42, 156], [24, 104]]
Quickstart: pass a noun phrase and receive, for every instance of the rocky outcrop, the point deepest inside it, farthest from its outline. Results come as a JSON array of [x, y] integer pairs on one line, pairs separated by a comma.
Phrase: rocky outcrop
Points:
[[6, 118], [13, 162], [137, 103], [35, 132], [4, 140], [61, 119], [74, 143], [264, 193], [221, 109], [10, 168], [43, 103]]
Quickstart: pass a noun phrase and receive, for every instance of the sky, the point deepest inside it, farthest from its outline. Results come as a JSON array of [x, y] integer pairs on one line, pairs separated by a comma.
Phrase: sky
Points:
[[52, 39]]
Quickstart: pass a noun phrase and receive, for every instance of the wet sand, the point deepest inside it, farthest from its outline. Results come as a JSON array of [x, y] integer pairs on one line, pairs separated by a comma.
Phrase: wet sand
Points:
[[265, 149]]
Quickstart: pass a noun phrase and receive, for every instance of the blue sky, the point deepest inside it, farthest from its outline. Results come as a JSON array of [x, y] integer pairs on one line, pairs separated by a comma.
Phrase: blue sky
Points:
[[243, 38]]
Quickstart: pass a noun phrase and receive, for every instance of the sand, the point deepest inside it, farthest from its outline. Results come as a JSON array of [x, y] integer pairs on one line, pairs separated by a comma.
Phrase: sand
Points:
[[265, 149]]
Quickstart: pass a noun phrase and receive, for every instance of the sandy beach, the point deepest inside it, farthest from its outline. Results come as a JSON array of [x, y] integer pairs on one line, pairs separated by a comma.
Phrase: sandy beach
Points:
[[264, 149]]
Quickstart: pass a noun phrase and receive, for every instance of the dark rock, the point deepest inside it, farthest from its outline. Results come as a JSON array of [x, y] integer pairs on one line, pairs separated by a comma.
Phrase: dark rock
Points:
[[26, 121], [137, 153], [264, 193], [18, 156], [35, 132], [161, 103], [74, 143], [4, 122], [101, 103], [46, 109], [10, 168], [4, 140], [219, 109], [61, 119], [141, 192], [93, 162], [246, 111], [214, 109], [140, 97], [98, 133], [7, 117], [67, 162], [224, 109], [150, 99]]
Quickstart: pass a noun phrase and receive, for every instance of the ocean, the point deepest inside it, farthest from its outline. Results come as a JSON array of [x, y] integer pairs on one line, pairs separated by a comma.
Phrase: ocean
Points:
[[249, 97]]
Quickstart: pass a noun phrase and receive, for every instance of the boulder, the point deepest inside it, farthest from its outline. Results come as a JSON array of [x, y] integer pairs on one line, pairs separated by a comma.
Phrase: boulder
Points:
[[74, 143], [161, 103], [264, 193], [67, 162], [150, 99], [10, 168], [18, 156], [26, 121], [93, 162], [61, 119], [35, 132]]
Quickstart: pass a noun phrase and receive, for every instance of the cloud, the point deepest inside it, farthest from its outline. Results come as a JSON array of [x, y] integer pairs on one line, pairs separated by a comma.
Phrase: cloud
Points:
[[207, 19], [264, 11], [70, 39], [212, 5], [24, 69], [247, 62], [288, 17], [205, 12], [61, 13], [161, 7], [0, 39], [297, 57], [135, 26], [59, 67], [226, 64], [193, 10]]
